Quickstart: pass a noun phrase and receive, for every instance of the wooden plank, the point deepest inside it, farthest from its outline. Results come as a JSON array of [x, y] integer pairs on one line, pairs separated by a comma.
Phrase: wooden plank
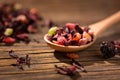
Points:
[[108, 75]]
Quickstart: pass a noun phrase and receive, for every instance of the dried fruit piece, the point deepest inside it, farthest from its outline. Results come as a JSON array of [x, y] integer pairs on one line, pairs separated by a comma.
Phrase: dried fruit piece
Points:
[[87, 36], [52, 31], [8, 31], [77, 36], [83, 41], [71, 26], [22, 18], [8, 40], [72, 55], [61, 40]]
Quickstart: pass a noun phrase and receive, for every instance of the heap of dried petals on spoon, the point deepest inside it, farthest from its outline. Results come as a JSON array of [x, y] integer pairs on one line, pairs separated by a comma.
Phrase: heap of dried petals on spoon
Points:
[[70, 35]]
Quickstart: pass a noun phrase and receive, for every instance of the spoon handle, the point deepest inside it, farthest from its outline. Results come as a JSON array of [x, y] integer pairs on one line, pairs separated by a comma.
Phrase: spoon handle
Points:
[[102, 25]]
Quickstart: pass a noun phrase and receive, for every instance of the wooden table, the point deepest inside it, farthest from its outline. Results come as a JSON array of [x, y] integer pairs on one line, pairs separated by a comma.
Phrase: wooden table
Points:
[[44, 58]]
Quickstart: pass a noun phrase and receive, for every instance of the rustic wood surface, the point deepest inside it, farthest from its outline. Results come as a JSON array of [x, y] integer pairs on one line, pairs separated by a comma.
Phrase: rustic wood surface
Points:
[[44, 58]]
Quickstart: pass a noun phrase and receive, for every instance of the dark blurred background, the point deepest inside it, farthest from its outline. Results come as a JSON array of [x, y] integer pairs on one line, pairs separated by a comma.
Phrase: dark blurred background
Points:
[[83, 12]]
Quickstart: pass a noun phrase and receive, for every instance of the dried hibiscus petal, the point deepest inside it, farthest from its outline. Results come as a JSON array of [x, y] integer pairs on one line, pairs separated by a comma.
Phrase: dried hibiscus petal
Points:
[[20, 60], [65, 70], [11, 53], [78, 65], [22, 36]]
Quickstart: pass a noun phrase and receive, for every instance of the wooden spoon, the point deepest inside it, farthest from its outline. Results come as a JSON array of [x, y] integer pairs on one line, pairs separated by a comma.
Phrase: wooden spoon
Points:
[[97, 28]]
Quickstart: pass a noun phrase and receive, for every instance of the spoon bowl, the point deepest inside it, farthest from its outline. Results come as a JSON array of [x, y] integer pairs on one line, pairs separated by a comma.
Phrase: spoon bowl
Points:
[[97, 28], [63, 48]]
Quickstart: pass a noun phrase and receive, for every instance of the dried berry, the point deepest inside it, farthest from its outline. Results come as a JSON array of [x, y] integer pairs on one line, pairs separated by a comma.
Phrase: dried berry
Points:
[[108, 49]]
